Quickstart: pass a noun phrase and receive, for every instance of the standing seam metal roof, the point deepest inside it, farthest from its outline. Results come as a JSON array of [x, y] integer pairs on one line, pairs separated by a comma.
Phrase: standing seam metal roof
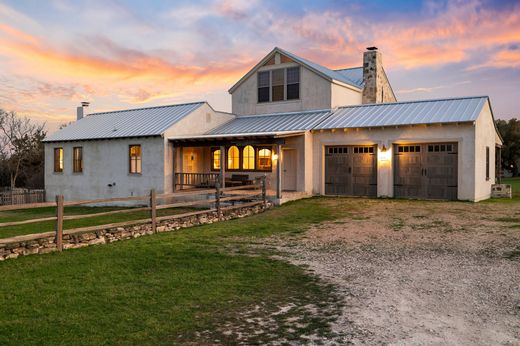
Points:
[[152, 121], [406, 113], [276, 122]]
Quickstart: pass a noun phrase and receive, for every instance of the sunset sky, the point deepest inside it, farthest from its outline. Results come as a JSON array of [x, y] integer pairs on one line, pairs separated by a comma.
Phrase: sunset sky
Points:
[[129, 54]]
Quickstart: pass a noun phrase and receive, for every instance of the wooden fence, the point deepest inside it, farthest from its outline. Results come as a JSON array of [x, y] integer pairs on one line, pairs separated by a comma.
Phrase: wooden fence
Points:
[[21, 196], [217, 199]]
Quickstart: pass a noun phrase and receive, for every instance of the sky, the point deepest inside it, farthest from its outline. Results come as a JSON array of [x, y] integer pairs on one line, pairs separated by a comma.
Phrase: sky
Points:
[[130, 54]]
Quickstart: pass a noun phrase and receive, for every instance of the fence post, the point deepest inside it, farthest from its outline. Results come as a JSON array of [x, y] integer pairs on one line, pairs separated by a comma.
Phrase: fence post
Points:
[[59, 222], [153, 210], [264, 190], [217, 197]]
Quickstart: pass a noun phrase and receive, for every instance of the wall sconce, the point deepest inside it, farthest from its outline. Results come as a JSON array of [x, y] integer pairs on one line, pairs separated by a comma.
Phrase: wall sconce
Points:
[[275, 157], [383, 149], [384, 154]]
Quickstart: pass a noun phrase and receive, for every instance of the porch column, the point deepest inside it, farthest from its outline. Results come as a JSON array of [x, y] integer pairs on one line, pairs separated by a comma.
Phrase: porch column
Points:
[[279, 171], [222, 166], [181, 168], [174, 168]]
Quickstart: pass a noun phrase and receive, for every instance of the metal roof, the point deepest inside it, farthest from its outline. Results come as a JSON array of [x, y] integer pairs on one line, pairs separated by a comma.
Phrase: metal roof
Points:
[[465, 109], [272, 123], [335, 75], [355, 74], [152, 121]]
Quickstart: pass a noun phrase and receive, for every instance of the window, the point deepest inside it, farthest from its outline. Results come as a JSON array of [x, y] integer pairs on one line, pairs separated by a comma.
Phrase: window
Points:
[[77, 160], [264, 162], [487, 163], [278, 85], [363, 150], [233, 158], [293, 83], [248, 157], [135, 159], [58, 160], [263, 86], [216, 159], [409, 149]]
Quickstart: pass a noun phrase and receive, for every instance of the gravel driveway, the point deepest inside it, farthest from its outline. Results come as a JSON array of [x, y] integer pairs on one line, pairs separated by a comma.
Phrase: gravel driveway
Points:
[[420, 273]]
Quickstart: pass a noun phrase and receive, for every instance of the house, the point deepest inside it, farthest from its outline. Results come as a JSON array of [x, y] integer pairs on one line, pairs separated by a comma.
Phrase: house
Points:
[[309, 129]]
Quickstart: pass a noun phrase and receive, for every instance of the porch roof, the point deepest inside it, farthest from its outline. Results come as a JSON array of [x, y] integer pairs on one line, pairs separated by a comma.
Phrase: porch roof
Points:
[[231, 139]]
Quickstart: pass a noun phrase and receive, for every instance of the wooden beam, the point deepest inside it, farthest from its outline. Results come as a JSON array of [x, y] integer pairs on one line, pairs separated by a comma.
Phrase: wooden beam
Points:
[[59, 222], [227, 142], [279, 172]]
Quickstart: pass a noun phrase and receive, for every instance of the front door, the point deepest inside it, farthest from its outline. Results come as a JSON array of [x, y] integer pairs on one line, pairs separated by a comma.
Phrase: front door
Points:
[[289, 170]]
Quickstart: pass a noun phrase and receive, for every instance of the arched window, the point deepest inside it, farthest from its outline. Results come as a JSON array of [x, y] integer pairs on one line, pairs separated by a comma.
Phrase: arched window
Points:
[[248, 157], [216, 159], [233, 158], [264, 159]]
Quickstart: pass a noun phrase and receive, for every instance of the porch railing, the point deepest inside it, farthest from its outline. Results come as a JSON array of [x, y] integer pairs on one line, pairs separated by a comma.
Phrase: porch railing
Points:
[[196, 179], [21, 196]]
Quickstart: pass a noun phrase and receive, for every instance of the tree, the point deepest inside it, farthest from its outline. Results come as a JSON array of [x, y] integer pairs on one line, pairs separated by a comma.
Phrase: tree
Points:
[[21, 149], [510, 131]]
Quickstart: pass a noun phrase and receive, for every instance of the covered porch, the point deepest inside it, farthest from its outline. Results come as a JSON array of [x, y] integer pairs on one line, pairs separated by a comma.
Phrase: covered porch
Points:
[[233, 160]]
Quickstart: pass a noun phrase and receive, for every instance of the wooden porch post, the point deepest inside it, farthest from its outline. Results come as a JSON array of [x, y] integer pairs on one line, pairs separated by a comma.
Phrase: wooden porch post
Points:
[[174, 168], [222, 166], [279, 171], [181, 168]]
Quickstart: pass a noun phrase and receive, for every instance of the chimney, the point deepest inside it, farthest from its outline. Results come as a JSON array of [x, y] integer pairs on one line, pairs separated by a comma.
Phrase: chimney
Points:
[[80, 110], [377, 87]]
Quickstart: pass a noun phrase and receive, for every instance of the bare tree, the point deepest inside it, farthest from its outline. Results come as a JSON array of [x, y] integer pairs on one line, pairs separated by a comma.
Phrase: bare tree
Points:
[[19, 140]]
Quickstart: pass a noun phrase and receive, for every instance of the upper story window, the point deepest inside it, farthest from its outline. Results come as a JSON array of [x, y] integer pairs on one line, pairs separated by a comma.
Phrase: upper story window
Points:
[[135, 159], [77, 160], [279, 85], [58, 160]]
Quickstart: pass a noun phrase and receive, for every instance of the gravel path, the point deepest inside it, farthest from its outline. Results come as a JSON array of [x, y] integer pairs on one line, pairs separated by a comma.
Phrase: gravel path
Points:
[[415, 273]]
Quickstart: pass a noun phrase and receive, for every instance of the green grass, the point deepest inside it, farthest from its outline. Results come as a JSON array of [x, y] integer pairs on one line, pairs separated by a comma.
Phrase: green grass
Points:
[[515, 184], [47, 226], [167, 288]]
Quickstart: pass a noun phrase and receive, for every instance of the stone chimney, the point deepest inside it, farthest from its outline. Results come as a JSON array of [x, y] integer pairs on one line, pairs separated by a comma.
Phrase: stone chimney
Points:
[[377, 88], [80, 110]]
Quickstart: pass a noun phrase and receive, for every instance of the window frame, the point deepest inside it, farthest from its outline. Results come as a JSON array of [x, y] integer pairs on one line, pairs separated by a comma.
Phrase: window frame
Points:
[[59, 161], [228, 156], [285, 84], [213, 151], [487, 163], [241, 148], [76, 161], [140, 159]]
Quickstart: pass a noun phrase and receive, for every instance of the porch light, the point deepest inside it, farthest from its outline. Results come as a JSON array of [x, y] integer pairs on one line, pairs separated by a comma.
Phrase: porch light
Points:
[[383, 149], [275, 157], [384, 154]]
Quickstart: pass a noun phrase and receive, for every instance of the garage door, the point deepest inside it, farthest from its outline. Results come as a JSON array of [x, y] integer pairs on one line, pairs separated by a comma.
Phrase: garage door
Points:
[[426, 171], [351, 170]]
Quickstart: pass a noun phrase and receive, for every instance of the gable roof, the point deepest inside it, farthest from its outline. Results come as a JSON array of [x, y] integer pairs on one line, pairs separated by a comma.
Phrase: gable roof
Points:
[[272, 123], [325, 72], [355, 74], [464, 109], [141, 122]]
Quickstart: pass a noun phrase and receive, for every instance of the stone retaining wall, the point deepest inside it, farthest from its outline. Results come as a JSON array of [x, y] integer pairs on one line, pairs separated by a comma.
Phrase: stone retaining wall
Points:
[[45, 242]]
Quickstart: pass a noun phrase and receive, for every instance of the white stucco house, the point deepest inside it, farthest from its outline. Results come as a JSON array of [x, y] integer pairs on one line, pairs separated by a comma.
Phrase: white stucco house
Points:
[[311, 130]]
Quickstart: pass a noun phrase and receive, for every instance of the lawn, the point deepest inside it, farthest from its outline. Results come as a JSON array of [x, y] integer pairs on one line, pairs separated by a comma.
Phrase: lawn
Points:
[[169, 288], [515, 183], [47, 226]]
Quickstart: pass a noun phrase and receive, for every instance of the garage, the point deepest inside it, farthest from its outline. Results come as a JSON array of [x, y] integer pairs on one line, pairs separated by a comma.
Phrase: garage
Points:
[[351, 170], [426, 171]]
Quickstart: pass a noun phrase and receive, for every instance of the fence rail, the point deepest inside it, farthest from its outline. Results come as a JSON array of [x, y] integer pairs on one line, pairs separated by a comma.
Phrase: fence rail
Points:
[[218, 199], [21, 196]]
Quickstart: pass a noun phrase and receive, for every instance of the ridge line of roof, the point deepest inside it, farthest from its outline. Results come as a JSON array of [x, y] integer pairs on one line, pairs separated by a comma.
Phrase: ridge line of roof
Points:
[[415, 101], [347, 68], [143, 108]]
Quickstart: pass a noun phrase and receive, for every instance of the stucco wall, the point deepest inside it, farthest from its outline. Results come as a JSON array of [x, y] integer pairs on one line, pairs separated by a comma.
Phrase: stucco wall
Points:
[[485, 136], [463, 134], [343, 96], [315, 93], [105, 162]]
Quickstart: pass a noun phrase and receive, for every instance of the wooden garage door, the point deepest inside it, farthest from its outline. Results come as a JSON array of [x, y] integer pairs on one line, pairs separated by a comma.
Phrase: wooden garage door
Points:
[[351, 170], [426, 171]]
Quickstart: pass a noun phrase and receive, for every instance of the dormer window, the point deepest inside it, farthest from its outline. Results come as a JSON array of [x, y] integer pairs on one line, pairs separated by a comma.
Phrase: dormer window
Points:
[[279, 85]]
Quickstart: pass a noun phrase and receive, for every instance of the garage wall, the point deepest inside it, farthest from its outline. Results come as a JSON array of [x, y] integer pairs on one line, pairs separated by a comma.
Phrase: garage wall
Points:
[[463, 134], [485, 135]]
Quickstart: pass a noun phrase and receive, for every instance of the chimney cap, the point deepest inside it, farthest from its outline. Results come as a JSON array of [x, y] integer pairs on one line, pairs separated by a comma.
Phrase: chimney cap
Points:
[[371, 48], [85, 104]]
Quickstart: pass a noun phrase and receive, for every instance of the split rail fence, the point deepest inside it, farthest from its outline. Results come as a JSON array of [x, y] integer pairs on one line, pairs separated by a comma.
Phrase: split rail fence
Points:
[[219, 199]]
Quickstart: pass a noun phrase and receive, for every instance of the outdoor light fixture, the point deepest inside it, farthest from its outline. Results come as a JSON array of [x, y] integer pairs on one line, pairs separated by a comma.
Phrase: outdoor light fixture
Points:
[[384, 154], [383, 149], [275, 157]]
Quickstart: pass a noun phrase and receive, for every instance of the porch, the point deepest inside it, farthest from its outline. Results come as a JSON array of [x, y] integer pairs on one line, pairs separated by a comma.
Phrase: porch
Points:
[[201, 162]]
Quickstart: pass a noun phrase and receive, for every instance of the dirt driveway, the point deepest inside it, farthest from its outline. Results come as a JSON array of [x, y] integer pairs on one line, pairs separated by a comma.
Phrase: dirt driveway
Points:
[[420, 273]]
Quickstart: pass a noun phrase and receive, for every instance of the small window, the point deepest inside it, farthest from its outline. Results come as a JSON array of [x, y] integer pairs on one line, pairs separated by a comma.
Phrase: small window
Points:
[[487, 163], [263, 86], [264, 159], [277, 85], [216, 159], [233, 158], [135, 159], [293, 83], [77, 160], [248, 157], [58, 160]]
